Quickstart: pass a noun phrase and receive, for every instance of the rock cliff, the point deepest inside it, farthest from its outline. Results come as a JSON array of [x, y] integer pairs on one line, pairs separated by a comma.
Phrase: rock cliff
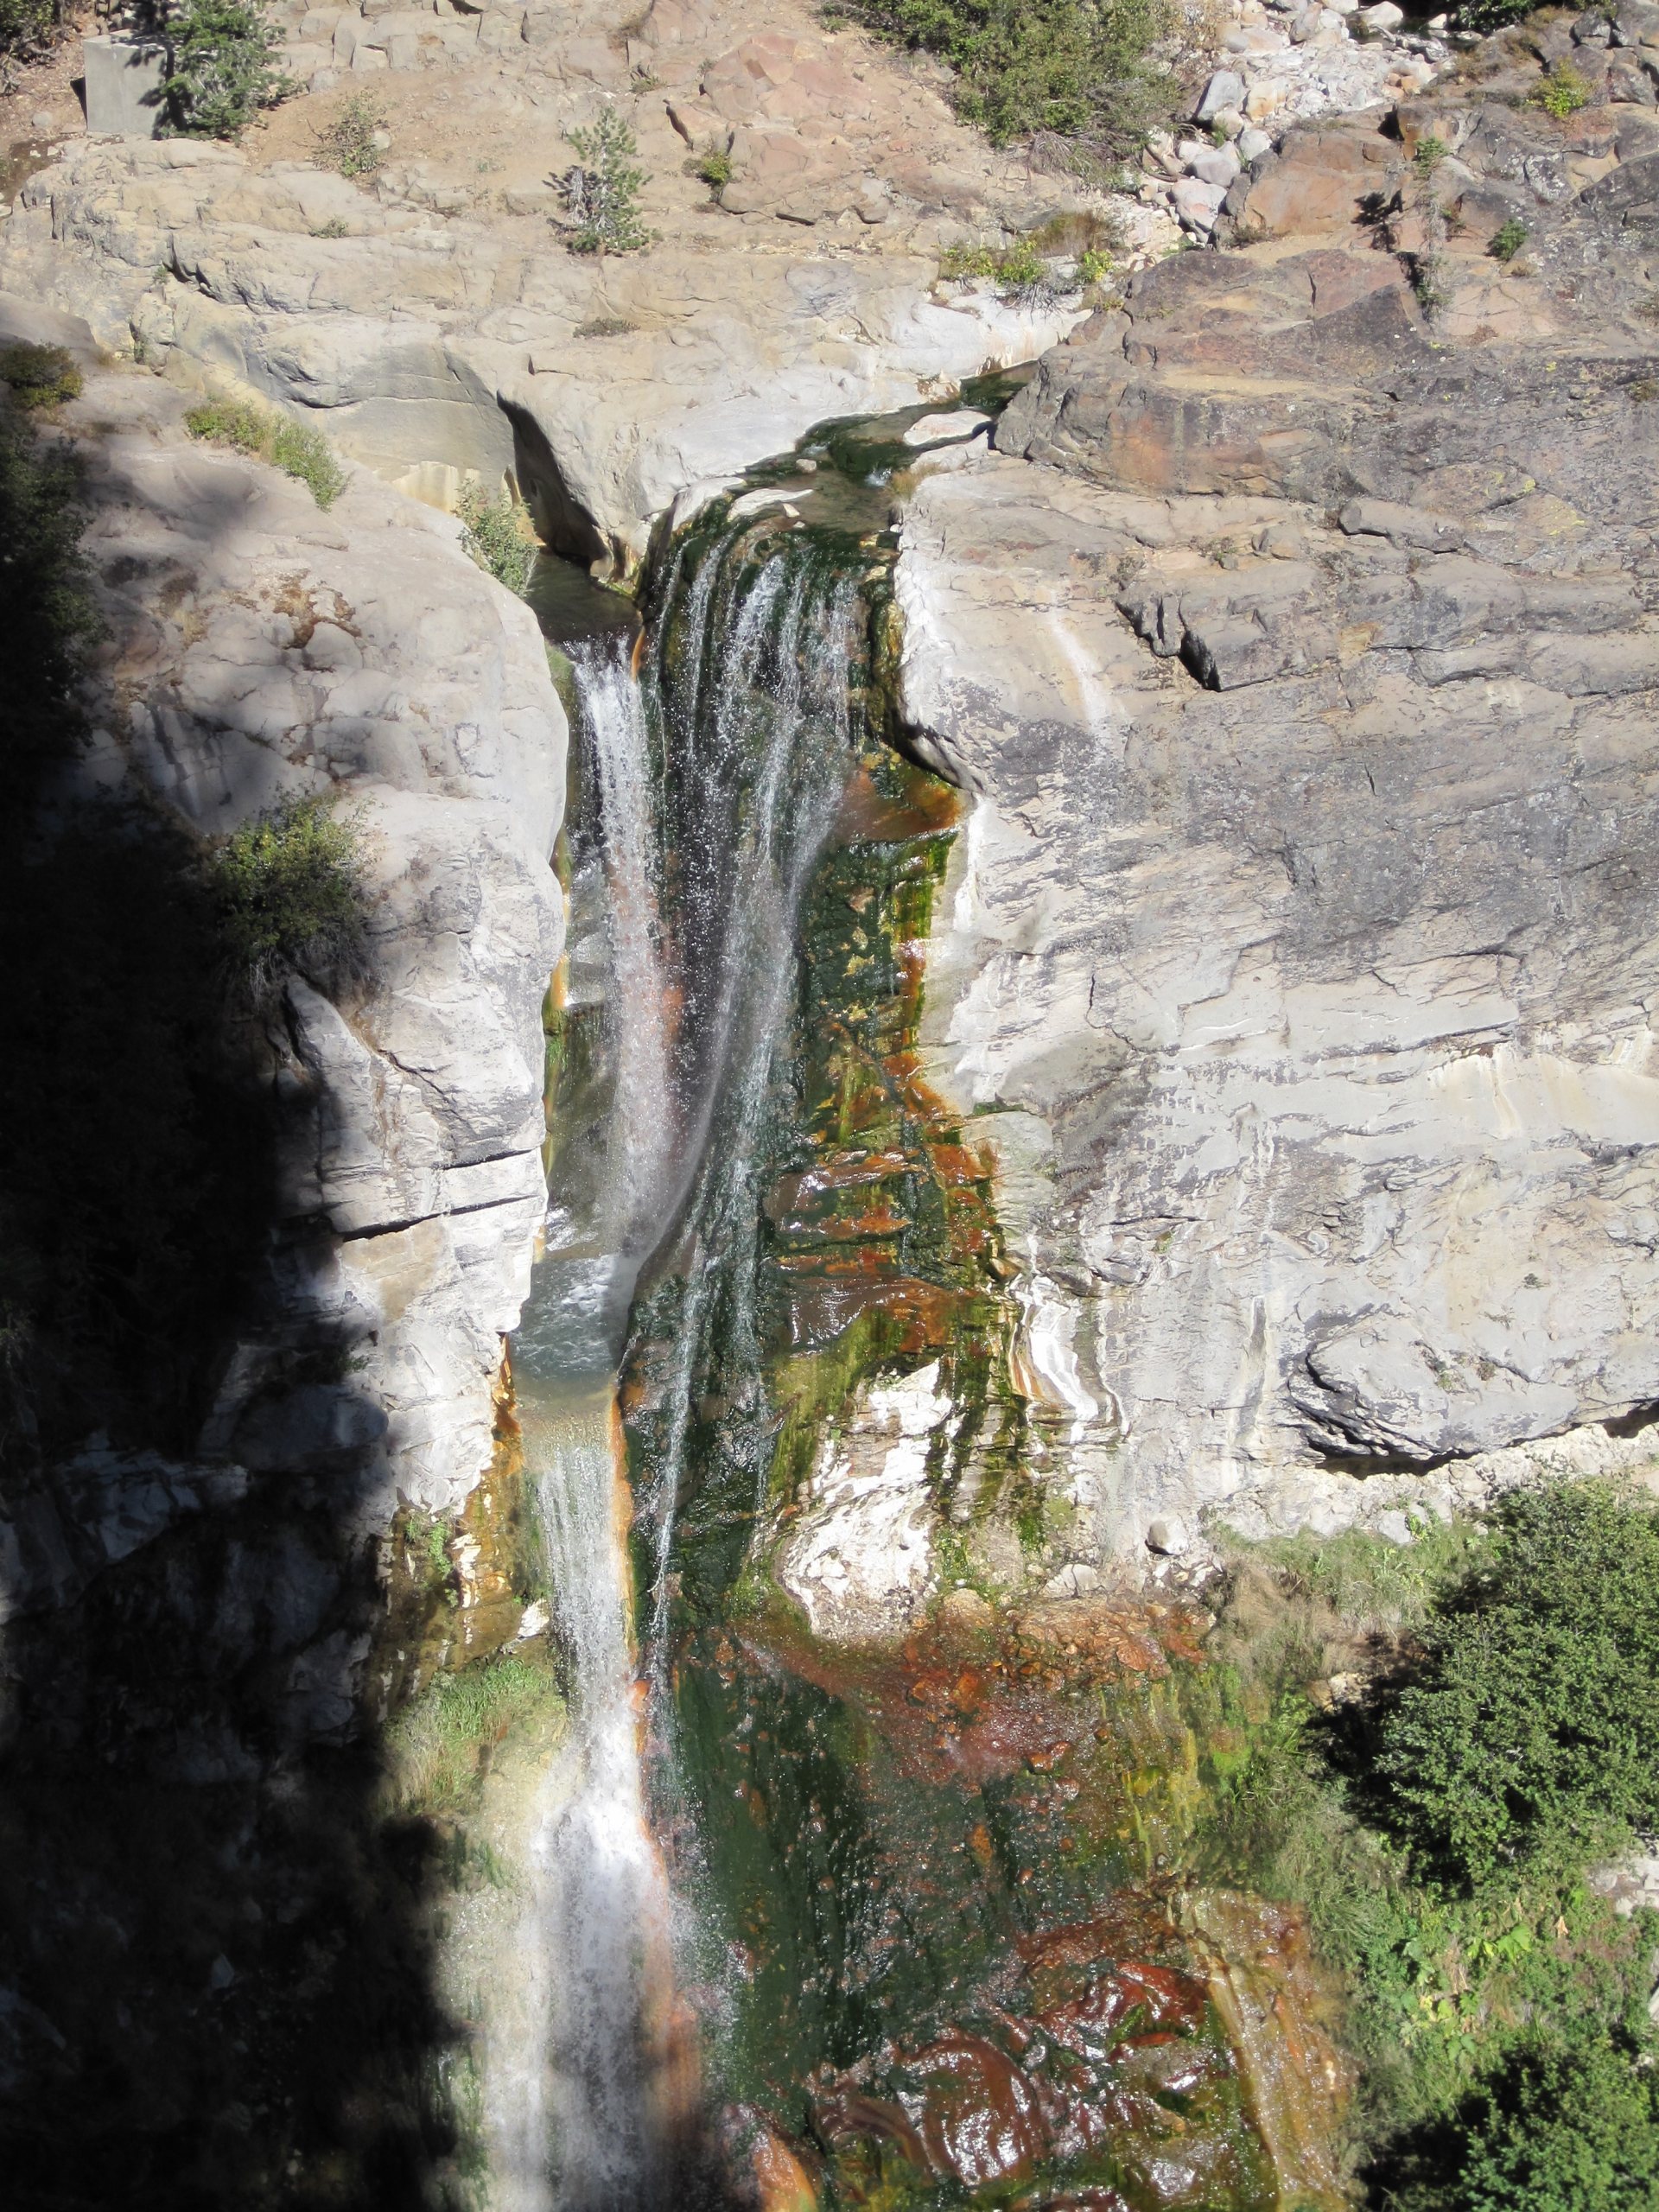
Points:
[[1299, 643]]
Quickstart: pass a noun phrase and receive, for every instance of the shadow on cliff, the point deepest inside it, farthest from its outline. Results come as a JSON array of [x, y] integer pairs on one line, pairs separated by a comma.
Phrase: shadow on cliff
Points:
[[215, 1980]]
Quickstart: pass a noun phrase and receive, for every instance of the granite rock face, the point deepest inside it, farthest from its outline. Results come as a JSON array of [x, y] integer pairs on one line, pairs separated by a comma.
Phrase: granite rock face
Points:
[[256, 649], [1298, 956]]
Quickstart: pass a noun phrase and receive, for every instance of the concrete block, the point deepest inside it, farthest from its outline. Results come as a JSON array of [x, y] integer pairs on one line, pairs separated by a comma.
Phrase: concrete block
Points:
[[123, 79]]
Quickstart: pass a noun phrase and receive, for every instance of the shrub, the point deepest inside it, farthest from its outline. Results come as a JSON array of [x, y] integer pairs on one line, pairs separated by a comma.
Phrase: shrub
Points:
[[1490, 14], [295, 447], [40, 376], [1507, 239], [1430, 153], [1558, 2128], [498, 536], [1093, 266], [605, 325], [1530, 1735], [1019, 270], [713, 166], [26, 28], [1082, 69], [290, 889], [434, 1746], [1562, 91], [301, 452], [221, 72], [346, 141], [601, 194]]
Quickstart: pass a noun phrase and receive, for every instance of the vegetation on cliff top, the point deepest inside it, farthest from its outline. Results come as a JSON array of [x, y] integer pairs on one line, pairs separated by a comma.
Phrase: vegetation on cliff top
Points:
[[1082, 70]]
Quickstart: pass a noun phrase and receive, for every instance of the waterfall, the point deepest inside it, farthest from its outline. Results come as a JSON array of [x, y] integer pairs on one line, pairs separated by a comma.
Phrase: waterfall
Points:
[[713, 776]]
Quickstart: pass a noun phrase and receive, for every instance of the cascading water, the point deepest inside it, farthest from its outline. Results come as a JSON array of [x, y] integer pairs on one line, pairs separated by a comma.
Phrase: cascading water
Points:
[[711, 779]]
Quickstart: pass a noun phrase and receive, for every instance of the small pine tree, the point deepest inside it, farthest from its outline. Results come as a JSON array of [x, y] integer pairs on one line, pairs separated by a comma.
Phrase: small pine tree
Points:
[[601, 193], [221, 72]]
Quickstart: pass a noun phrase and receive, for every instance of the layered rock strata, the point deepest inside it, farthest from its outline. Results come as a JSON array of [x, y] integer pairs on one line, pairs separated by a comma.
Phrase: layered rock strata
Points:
[[1299, 643]]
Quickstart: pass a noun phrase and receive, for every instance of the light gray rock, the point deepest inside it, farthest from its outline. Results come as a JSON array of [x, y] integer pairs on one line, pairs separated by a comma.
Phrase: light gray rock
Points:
[[123, 78], [433, 345], [1349, 1125], [1224, 89], [258, 648]]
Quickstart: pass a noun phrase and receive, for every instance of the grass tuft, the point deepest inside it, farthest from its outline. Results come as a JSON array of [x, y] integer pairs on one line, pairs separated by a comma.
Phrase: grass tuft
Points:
[[295, 447]]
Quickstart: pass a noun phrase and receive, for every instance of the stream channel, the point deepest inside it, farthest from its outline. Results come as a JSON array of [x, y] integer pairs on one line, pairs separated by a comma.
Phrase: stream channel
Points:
[[811, 1921]]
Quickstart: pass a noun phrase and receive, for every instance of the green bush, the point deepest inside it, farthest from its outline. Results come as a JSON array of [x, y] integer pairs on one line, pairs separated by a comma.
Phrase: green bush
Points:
[[1557, 2128], [346, 141], [295, 447], [1019, 271], [601, 196], [221, 71], [1507, 239], [1430, 153], [1082, 69], [38, 376], [1530, 1735], [1563, 92], [301, 452], [290, 889], [498, 535], [28, 27], [713, 167]]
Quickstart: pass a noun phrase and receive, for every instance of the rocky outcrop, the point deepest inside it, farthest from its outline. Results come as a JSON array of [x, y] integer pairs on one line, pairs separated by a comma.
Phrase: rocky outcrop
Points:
[[256, 649], [1298, 953]]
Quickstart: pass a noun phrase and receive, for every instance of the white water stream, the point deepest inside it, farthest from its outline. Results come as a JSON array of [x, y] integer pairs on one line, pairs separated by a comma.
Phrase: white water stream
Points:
[[715, 784]]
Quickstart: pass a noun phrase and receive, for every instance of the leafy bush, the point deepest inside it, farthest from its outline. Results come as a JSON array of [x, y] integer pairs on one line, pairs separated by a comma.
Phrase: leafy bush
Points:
[[26, 28], [1531, 1733], [1082, 69], [1558, 2128], [40, 376], [713, 166], [1563, 92], [1445, 1983], [221, 72], [1430, 153], [1507, 239], [498, 536], [295, 447], [1019, 270], [290, 889], [346, 141], [601, 195], [301, 452], [1490, 14]]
